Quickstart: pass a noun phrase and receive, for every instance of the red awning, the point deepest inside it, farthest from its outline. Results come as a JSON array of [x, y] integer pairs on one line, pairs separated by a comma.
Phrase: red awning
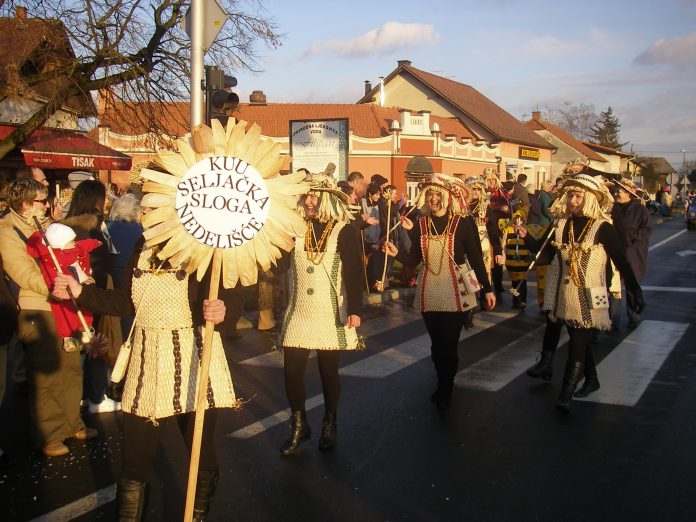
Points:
[[62, 149]]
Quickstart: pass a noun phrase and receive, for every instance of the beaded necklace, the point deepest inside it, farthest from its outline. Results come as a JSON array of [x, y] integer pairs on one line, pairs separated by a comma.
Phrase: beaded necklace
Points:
[[316, 249], [434, 236], [575, 250]]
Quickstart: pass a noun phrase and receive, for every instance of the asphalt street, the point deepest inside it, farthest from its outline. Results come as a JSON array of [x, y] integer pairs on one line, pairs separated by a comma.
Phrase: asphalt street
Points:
[[502, 453]]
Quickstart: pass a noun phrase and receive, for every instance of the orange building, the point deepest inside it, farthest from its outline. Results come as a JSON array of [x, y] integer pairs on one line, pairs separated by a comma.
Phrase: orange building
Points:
[[458, 129]]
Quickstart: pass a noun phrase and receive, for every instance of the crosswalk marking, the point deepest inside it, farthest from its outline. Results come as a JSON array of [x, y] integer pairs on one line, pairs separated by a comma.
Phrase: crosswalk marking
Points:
[[631, 366], [81, 506], [376, 366], [504, 365]]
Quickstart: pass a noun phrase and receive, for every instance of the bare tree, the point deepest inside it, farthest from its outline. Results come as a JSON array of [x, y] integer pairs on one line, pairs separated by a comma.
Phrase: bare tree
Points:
[[134, 50], [576, 120]]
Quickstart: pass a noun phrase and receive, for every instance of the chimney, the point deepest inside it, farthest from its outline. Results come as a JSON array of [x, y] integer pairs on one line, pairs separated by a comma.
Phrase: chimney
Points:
[[536, 115], [402, 63], [21, 12], [257, 98], [368, 87]]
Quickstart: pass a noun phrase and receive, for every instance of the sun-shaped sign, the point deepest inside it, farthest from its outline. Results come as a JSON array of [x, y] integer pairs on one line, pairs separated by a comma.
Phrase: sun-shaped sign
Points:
[[220, 189]]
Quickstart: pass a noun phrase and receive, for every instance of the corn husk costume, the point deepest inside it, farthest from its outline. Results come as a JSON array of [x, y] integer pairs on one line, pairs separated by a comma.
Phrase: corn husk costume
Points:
[[577, 273], [478, 210], [317, 308], [440, 285], [161, 357]]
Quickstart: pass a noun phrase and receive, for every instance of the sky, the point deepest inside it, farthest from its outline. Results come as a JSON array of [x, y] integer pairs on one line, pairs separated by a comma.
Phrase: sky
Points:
[[637, 56]]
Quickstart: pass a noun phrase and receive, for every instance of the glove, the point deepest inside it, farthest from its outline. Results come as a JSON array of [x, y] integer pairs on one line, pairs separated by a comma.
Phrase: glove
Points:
[[634, 300]]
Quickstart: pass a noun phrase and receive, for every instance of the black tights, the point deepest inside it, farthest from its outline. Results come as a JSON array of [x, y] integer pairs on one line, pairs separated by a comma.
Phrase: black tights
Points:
[[295, 366], [141, 437], [444, 329], [579, 349]]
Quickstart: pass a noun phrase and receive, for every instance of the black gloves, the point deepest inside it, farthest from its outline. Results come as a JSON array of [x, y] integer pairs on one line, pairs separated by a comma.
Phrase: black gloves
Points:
[[634, 300]]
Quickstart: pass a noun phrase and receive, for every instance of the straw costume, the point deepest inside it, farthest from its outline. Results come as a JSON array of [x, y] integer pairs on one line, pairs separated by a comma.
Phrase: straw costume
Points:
[[576, 289], [500, 208], [167, 288], [325, 303], [448, 246]]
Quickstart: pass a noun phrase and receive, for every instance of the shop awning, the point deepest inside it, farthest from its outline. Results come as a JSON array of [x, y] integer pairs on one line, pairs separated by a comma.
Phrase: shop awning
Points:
[[62, 149]]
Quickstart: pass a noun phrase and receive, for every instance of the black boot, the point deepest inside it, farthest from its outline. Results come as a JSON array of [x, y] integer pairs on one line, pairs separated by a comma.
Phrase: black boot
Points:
[[205, 491], [544, 368], [589, 385], [131, 500], [299, 432], [328, 431], [570, 381]]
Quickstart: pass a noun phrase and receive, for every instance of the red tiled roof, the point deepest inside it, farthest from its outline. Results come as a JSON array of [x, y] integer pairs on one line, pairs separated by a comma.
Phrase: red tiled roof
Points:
[[607, 150], [472, 103], [367, 121], [565, 137], [137, 118], [37, 45]]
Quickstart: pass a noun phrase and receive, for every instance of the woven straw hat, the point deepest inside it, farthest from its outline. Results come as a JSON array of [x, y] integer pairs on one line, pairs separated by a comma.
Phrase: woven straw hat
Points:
[[594, 184], [455, 190], [475, 182]]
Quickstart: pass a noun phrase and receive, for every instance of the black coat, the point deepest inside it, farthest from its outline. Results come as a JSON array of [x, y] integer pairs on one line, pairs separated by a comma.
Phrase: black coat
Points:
[[8, 310], [633, 226]]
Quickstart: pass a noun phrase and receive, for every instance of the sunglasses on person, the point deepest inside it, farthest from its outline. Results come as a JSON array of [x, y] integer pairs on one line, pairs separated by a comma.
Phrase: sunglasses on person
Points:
[[42, 201]]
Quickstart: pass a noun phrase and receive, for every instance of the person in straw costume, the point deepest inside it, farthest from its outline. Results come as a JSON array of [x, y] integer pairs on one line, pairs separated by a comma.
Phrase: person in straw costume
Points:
[[325, 303], [160, 383], [446, 241], [576, 289]]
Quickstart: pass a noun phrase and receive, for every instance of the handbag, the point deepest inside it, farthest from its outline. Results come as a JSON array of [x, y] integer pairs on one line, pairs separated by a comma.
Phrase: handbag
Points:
[[471, 283], [597, 297]]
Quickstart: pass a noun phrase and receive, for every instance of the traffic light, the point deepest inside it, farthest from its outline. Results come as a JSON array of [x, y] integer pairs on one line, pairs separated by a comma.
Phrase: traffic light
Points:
[[219, 99]]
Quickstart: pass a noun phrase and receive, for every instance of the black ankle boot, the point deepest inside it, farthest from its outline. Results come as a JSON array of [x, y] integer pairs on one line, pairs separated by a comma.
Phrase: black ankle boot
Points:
[[570, 381], [205, 491], [299, 432], [328, 431], [589, 385], [131, 500], [544, 368]]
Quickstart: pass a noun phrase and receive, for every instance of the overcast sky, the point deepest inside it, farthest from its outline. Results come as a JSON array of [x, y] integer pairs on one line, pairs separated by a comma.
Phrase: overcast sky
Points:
[[637, 56]]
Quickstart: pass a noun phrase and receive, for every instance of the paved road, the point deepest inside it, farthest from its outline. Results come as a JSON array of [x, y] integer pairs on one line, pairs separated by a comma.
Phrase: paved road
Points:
[[502, 453]]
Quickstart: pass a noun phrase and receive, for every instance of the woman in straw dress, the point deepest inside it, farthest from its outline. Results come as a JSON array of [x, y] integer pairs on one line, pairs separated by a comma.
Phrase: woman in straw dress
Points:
[[446, 242], [161, 378], [325, 303], [576, 287]]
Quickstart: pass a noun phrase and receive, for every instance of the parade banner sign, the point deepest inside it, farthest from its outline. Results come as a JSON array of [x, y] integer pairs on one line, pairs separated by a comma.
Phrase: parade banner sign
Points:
[[316, 143], [222, 202]]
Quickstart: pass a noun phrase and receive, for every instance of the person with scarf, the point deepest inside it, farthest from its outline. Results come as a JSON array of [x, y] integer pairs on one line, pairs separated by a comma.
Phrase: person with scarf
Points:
[[54, 373]]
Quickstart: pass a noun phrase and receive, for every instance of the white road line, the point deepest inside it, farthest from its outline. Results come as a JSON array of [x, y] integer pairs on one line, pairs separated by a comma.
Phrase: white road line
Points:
[[504, 365], [631, 366], [81, 506], [377, 366], [667, 240], [687, 290]]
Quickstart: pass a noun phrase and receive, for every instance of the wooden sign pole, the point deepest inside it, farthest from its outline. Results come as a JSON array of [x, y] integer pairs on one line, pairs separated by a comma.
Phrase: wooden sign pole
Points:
[[202, 389]]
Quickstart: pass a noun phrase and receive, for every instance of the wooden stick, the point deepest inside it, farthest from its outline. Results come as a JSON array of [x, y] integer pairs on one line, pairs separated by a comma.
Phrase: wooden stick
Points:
[[386, 256], [514, 290], [202, 390], [364, 259]]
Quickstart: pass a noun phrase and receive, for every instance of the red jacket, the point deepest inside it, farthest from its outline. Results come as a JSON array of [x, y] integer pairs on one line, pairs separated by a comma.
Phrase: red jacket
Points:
[[64, 312]]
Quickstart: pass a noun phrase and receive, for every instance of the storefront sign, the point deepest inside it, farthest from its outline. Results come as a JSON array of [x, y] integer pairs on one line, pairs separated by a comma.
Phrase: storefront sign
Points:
[[222, 202], [316, 143], [529, 154]]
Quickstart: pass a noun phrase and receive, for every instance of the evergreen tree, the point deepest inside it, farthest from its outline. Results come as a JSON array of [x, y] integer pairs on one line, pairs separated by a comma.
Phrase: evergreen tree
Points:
[[605, 131]]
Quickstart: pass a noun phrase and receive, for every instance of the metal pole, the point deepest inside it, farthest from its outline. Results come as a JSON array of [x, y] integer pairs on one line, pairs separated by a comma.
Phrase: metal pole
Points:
[[197, 53]]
